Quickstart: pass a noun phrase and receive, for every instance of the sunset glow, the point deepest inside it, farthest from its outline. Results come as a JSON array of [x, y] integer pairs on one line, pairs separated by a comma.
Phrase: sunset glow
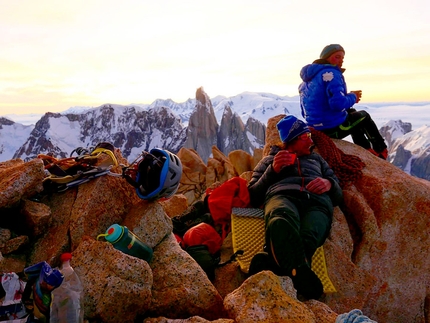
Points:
[[87, 53]]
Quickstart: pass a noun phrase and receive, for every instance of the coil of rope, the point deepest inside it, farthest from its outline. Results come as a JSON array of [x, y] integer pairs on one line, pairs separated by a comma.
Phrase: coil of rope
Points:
[[346, 167]]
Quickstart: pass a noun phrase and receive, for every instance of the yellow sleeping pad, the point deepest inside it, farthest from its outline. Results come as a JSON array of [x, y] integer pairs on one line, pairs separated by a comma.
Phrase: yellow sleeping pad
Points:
[[247, 227]]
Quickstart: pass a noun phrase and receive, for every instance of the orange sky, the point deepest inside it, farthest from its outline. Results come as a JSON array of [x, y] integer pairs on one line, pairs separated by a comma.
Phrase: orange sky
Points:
[[87, 53]]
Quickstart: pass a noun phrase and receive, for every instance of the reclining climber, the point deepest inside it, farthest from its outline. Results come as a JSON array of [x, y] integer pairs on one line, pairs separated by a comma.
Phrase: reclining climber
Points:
[[327, 106], [298, 190]]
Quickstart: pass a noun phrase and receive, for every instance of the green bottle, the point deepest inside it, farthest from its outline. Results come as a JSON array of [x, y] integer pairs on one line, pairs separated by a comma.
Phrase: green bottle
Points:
[[126, 241]]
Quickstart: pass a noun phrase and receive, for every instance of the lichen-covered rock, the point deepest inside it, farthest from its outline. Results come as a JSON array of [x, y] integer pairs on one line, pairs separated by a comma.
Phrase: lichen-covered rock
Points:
[[193, 180], [181, 288], [117, 287], [261, 298], [37, 217], [388, 216], [149, 222], [175, 205], [241, 161], [14, 244], [19, 180], [100, 203], [194, 319], [323, 313], [55, 240], [5, 235]]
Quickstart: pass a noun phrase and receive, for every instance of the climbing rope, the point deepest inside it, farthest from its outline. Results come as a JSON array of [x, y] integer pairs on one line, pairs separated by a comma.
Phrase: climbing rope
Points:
[[354, 316], [346, 167]]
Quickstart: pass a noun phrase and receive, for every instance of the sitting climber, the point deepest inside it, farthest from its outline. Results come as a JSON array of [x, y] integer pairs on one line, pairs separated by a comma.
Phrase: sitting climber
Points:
[[298, 190], [327, 106]]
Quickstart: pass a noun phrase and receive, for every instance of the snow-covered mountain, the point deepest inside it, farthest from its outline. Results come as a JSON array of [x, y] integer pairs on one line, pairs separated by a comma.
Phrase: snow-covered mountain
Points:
[[259, 106], [138, 127], [12, 136], [130, 128], [411, 152]]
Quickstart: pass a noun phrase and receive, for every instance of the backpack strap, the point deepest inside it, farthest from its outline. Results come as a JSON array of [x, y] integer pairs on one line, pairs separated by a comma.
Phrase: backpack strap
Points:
[[232, 258]]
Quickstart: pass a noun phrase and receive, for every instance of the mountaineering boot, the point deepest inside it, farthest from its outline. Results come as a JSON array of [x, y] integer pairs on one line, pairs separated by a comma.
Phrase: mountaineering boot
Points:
[[262, 261], [306, 282], [286, 248], [284, 244], [383, 154], [259, 262], [373, 152]]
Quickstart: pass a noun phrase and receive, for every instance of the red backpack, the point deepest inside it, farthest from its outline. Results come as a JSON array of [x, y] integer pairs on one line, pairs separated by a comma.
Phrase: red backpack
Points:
[[221, 200], [203, 234]]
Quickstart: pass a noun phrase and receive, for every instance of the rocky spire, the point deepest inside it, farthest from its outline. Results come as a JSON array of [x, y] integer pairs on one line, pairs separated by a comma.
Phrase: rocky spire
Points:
[[202, 127]]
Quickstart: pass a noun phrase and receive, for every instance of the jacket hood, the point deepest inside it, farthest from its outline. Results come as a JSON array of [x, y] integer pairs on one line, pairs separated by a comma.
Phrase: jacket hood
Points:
[[274, 150], [309, 71]]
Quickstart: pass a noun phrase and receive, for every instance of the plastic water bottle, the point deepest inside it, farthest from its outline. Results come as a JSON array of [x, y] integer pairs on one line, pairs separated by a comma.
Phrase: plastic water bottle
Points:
[[67, 299], [127, 242]]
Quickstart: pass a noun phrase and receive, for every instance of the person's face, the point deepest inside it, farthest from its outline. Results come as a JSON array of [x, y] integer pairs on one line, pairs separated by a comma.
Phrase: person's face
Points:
[[302, 145], [336, 58]]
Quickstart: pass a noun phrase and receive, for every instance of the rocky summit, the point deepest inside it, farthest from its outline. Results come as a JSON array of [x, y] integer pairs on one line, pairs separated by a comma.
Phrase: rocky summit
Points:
[[376, 254]]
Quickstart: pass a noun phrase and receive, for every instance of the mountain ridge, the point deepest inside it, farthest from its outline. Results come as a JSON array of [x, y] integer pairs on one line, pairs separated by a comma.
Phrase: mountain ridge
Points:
[[164, 123]]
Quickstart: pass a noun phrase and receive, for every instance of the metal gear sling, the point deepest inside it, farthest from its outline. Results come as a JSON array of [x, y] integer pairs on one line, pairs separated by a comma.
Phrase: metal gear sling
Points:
[[155, 174], [90, 163]]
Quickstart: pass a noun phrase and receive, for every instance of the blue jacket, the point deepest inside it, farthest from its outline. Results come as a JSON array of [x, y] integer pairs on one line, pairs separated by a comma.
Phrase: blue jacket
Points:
[[323, 96]]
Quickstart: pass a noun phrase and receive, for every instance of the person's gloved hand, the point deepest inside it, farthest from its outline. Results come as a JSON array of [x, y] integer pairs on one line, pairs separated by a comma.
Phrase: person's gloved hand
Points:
[[283, 158]]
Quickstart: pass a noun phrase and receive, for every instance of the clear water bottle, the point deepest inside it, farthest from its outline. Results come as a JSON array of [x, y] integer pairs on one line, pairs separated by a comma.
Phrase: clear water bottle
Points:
[[127, 242], [67, 299]]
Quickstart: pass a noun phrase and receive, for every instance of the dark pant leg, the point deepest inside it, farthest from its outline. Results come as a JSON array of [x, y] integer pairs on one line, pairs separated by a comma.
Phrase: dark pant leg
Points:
[[283, 241], [295, 223], [315, 224], [362, 129], [280, 205], [309, 221], [369, 128], [351, 127]]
